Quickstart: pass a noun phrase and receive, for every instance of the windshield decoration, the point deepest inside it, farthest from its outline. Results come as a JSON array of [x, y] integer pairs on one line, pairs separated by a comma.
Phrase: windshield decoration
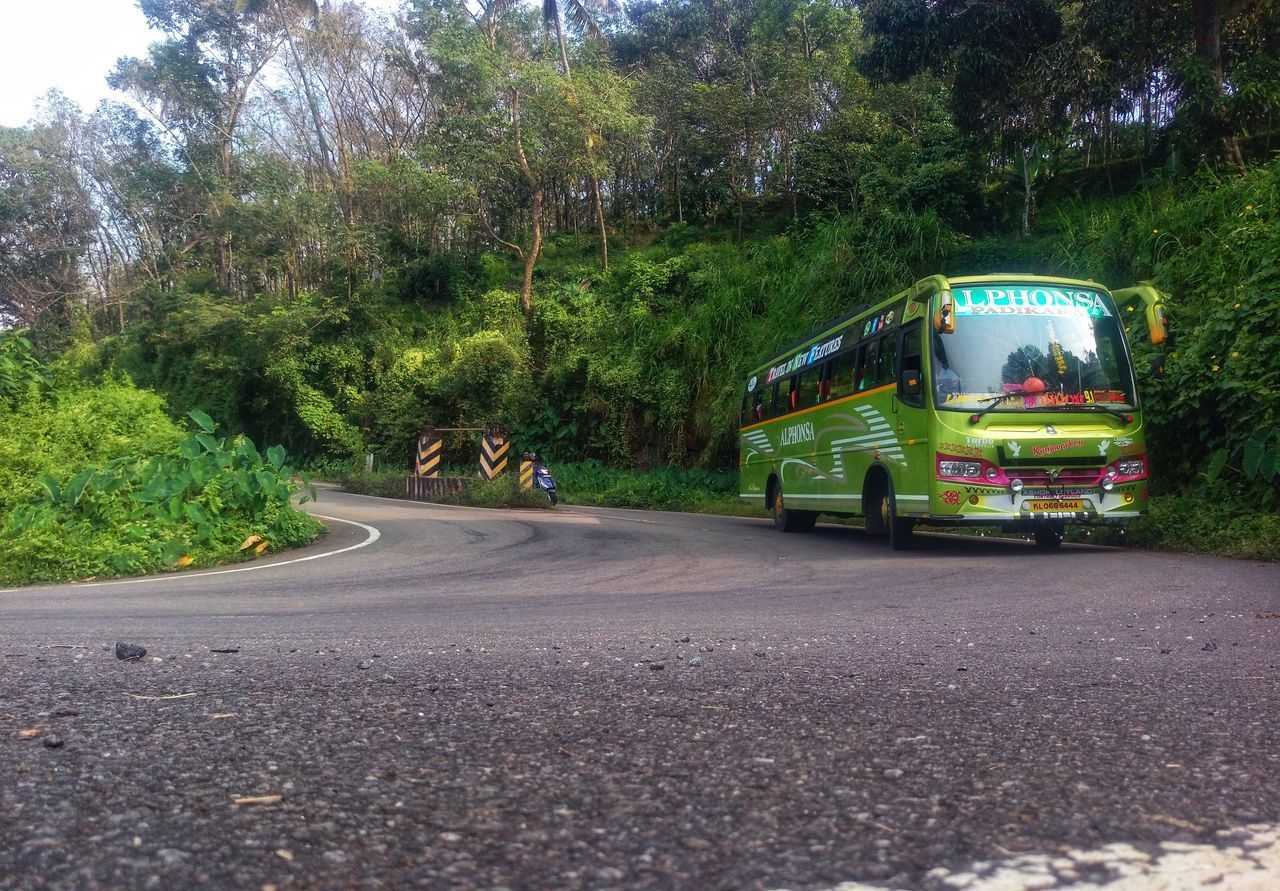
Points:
[[1027, 348], [1036, 400], [1030, 301]]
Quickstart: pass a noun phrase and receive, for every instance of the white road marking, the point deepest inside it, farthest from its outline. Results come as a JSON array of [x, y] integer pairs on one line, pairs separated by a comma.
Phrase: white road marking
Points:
[[1245, 859], [373, 536]]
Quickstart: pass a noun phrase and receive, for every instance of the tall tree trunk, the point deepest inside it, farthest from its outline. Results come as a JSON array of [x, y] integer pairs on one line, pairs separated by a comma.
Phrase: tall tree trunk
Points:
[[326, 157], [564, 54], [526, 291], [1209, 16], [1027, 193], [604, 237]]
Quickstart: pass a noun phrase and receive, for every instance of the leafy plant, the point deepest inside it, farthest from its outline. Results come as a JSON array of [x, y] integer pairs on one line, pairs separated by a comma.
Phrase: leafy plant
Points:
[[198, 504]]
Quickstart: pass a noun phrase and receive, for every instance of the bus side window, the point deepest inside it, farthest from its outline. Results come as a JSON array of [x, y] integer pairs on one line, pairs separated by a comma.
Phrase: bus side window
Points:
[[808, 384], [839, 382], [911, 362], [776, 399], [757, 412], [888, 352], [866, 365]]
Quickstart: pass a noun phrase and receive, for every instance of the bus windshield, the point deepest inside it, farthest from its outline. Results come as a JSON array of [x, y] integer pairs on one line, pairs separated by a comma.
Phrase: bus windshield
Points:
[[1019, 348]]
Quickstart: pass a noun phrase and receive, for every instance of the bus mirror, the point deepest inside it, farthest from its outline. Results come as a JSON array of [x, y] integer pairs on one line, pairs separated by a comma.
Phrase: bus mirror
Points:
[[944, 313], [1158, 325], [1157, 317], [910, 383]]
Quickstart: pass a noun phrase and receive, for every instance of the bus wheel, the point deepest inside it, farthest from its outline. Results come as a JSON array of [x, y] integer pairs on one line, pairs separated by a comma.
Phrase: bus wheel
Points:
[[883, 519], [900, 529], [1049, 535], [787, 520]]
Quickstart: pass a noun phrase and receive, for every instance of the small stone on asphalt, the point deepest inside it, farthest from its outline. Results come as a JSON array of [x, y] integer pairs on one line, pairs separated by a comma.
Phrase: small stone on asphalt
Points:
[[364, 664], [657, 666], [129, 651], [53, 741]]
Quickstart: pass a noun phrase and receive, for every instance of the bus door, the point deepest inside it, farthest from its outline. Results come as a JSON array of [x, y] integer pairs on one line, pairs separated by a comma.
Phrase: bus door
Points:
[[910, 421]]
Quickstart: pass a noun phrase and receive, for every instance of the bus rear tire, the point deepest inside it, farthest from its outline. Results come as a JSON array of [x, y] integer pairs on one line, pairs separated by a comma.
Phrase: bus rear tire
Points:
[[787, 520], [1049, 535]]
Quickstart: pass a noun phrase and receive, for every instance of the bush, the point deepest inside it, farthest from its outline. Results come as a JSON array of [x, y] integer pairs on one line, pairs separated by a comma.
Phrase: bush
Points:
[[198, 501], [666, 488], [1206, 525], [59, 434]]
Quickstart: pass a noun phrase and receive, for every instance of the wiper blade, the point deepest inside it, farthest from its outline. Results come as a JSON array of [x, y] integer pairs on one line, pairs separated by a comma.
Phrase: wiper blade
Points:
[[996, 400], [1097, 406], [1119, 413]]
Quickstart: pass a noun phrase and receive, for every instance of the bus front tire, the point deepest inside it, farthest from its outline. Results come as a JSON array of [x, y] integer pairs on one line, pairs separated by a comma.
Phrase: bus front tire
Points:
[[1049, 535], [787, 520], [884, 519]]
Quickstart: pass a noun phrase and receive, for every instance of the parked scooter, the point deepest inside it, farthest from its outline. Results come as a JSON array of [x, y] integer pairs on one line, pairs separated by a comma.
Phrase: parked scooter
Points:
[[542, 477]]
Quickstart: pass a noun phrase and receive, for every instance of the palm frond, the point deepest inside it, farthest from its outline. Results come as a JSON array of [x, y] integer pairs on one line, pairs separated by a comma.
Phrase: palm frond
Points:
[[580, 17]]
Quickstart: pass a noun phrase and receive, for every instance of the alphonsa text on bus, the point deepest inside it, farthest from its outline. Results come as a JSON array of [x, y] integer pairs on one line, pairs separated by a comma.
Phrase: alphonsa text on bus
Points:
[[1030, 301]]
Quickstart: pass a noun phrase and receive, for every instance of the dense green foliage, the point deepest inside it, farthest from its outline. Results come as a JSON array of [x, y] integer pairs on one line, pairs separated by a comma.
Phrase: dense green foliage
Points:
[[469, 214], [97, 481]]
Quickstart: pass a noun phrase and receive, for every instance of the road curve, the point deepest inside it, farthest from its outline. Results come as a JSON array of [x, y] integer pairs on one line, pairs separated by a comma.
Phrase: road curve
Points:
[[591, 698]]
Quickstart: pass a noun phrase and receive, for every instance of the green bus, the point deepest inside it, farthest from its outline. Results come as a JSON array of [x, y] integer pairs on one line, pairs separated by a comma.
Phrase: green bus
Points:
[[1003, 400]]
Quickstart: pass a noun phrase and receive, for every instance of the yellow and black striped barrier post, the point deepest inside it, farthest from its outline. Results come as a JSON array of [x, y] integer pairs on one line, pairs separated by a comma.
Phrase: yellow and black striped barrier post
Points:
[[493, 451], [428, 459], [526, 475]]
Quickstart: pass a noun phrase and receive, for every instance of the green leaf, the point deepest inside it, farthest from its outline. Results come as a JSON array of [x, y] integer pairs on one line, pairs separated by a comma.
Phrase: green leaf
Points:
[[190, 448], [210, 444], [75, 488], [173, 550], [1216, 465], [1254, 448], [266, 481], [52, 488], [196, 514], [202, 420], [1270, 464], [276, 455]]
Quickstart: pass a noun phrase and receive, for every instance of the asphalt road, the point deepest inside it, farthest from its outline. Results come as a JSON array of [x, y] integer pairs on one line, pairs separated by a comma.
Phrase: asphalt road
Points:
[[595, 698]]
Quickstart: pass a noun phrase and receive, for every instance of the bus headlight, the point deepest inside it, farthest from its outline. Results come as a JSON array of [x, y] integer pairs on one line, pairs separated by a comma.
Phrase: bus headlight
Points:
[[963, 469], [1015, 486], [1108, 484], [1132, 467]]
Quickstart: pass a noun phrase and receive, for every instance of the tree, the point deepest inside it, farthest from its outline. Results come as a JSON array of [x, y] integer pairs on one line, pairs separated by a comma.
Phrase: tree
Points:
[[197, 85], [579, 14], [1209, 18], [46, 225], [286, 12]]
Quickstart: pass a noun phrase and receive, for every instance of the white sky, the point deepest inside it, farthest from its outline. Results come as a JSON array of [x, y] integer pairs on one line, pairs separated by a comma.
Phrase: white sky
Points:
[[71, 45]]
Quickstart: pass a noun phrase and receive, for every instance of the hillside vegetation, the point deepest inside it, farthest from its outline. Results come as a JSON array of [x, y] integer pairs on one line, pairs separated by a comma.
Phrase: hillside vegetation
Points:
[[326, 231], [97, 481]]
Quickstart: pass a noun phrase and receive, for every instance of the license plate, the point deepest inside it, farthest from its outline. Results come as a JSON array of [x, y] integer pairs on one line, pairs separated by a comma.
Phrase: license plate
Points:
[[1054, 505]]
